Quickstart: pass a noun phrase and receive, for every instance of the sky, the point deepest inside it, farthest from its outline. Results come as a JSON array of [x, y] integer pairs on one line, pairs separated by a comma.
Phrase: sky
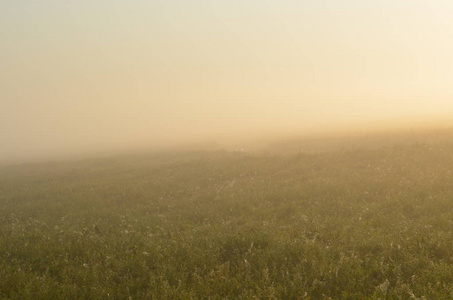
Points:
[[82, 75]]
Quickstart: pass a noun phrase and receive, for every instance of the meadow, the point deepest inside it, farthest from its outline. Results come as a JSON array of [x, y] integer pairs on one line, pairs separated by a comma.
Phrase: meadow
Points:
[[347, 222]]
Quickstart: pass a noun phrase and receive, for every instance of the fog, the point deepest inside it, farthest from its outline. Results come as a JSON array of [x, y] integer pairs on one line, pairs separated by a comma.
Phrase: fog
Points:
[[80, 77]]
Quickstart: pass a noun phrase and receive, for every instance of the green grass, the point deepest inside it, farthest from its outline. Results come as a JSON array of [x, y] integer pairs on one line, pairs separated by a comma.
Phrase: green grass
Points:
[[370, 223]]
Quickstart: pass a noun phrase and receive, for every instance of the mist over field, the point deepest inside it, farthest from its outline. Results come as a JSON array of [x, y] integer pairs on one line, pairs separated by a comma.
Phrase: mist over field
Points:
[[226, 149], [83, 77]]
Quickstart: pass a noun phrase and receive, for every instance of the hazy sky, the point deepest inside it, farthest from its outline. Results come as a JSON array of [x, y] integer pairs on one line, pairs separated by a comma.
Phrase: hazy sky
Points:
[[78, 75]]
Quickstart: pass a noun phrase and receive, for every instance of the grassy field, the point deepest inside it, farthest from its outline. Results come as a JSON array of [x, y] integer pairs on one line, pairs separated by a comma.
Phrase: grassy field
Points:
[[349, 223]]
